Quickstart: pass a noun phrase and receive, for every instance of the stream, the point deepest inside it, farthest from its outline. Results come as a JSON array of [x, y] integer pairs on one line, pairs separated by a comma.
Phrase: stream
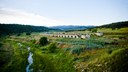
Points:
[[30, 61]]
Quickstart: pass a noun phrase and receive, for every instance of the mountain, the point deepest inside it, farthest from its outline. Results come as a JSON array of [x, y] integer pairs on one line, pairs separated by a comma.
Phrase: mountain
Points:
[[71, 27], [17, 28]]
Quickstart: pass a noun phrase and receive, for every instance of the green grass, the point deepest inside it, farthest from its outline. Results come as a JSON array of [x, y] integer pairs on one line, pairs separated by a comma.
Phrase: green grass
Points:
[[109, 30], [63, 62], [42, 63], [52, 62], [16, 59], [114, 62]]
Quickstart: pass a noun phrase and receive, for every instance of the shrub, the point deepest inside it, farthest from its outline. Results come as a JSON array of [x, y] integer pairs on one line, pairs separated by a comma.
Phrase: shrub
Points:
[[94, 30], [1, 44], [33, 41], [109, 51], [28, 33], [77, 50], [43, 41], [18, 34], [93, 43], [113, 28], [66, 49], [52, 47]]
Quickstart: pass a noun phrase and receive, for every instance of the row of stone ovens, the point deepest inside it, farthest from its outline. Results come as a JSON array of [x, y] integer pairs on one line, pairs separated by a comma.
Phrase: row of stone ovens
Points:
[[74, 35]]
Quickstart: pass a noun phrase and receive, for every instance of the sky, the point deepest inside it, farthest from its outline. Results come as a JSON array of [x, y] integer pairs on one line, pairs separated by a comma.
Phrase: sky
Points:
[[63, 12]]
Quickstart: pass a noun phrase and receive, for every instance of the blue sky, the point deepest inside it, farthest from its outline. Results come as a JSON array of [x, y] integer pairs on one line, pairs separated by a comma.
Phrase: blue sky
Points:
[[63, 12]]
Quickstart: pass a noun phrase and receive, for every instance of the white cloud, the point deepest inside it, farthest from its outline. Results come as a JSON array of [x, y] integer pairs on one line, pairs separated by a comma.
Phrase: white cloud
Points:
[[21, 17]]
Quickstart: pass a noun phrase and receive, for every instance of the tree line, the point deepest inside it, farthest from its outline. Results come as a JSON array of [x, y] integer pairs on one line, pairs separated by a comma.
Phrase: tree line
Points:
[[17, 28], [115, 25]]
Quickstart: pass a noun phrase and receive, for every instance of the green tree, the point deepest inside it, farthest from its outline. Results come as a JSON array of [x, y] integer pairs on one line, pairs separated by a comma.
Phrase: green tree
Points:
[[94, 30], [113, 28], [28, 33], [52, 47], [18, 34], [43, 41]]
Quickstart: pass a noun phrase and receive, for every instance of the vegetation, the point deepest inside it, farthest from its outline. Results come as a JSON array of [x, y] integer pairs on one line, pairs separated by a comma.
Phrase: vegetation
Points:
[[52, 47], [16, 28], [42, 63], [18, 34], [12, 57], [43, 41], [115, 25], [114, 62], [94, 30], [16, 60], [28, 33], [71, 28], [108, 53]]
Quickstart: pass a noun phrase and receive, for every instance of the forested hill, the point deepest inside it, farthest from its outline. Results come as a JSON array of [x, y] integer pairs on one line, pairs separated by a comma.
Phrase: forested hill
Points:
[[115, 25], [17, 28], [71, 27]]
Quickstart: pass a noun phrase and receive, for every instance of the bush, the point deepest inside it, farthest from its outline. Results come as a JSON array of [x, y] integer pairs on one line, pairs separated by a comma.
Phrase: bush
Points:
[[52, 47], [28, 33], [109, 51], [33, 41], [77, 50], [1, 44], [94, 43], [43, 41], [94, 30], [113, 28], [18, 34]]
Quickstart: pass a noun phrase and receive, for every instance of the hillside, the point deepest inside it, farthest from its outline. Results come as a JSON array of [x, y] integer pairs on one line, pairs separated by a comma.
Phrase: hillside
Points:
[[71, 27], [17, 28], [115, 25]]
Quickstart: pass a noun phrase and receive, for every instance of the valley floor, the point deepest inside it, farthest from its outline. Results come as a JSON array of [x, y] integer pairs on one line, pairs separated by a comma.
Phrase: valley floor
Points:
[[108, 53]]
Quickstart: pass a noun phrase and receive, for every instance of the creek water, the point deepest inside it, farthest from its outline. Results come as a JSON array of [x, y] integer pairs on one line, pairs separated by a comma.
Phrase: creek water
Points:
[[30, 61]]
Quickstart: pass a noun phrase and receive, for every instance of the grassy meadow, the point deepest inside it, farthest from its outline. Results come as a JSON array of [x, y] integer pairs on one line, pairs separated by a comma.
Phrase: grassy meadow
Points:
[[108, 53]]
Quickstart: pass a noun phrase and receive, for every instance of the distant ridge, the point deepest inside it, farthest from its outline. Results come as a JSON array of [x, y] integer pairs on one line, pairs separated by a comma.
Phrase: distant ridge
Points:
[[71, 27], [18, 28]]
